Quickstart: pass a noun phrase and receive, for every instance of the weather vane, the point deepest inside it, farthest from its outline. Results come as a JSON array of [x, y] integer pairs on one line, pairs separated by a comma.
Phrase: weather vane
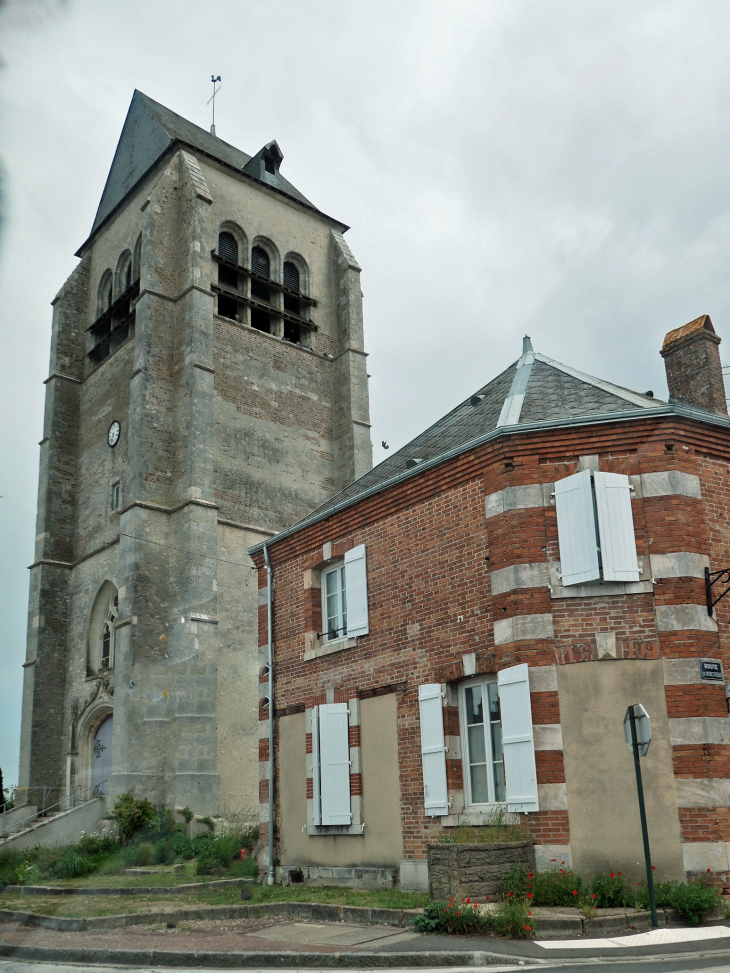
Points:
[[212, 98]]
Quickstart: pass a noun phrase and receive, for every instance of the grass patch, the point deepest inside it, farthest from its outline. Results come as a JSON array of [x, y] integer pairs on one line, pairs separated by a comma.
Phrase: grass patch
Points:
[[81, 906]]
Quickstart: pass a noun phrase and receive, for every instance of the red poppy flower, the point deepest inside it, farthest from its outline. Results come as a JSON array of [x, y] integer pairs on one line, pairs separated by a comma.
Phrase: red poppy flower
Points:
[[708, 870], [529, 895], [593, 895], [562, 863], [562, 871], [527, 928], [487, 898], [574, 892], [510, 893], [612, 875], [653, 868], [529, 874], [469, 899], [444, 910], [553, 859], [531, 913], [619, 873], [458, 913]]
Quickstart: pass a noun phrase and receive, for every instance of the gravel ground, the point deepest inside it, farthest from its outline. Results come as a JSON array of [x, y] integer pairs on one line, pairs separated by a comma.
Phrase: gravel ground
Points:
[[222, 935]]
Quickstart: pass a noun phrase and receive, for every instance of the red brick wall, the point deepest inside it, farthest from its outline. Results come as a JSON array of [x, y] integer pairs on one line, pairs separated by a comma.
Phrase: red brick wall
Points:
[[430, 551]]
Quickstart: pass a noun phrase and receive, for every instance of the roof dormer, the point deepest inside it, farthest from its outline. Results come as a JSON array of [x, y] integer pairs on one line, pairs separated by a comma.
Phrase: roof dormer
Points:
[[265, 164]]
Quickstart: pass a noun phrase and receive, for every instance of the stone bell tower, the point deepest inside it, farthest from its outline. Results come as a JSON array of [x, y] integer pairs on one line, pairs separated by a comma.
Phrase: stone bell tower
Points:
[[207, 388]]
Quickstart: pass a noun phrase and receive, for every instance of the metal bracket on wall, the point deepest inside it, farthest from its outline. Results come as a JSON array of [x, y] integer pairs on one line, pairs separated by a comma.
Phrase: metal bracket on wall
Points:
[[712, 578]]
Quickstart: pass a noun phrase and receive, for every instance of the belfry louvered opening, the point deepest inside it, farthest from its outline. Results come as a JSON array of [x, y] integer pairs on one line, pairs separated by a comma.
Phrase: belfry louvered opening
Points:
[[228, 247], [227, 276], [260, 265]]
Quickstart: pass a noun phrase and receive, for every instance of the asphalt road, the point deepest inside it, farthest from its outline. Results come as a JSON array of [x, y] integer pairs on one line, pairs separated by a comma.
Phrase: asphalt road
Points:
[[668, 964]]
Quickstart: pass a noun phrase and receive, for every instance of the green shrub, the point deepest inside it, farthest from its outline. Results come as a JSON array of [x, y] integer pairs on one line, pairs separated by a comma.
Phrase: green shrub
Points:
[[132, 815], [9, 861], [95, 844], [611, 891], [187, 814], [452, 918], [182, 845], [512, 919], [26, 873], [111, 865], [165, 851], [73, 865], [216, 853], [693, 900], [244, 868], [146, 854], [209, 821], [558, 887]]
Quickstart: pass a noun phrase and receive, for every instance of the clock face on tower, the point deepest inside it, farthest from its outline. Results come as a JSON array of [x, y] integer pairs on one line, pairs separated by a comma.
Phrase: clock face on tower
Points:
[[112, 437]]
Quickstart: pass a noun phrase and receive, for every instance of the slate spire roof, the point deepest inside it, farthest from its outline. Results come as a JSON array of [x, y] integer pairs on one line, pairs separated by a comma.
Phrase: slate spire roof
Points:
[[149, 131]]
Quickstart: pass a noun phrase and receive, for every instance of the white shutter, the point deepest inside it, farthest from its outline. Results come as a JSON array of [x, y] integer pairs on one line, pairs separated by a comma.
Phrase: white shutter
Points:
[[334, 755], [616, 527], [317, 801], [576, 529], [517, 740], [433, 750], [356, 584]]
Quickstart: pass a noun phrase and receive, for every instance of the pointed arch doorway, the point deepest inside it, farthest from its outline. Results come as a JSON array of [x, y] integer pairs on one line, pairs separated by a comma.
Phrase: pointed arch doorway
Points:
[[102, 755]]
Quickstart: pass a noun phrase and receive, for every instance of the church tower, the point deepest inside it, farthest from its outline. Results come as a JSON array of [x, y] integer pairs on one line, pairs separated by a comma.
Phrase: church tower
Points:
[[207, 388]]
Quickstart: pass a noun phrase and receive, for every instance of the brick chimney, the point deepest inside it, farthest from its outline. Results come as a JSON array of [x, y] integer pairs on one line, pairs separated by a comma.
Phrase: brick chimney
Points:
[[692, 360]]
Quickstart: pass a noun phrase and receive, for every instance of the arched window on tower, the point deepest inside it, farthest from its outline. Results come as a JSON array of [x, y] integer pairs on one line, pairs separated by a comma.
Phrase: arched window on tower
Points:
[[228, 275], [261, 271], [292, 331], [102, 624]]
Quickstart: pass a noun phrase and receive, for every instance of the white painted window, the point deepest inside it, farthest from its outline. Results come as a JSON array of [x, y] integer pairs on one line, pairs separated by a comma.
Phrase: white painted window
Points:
[[334, 602], [331, 764], [433, 749], [595, 528], [517, 740], [481, 743], [345, 597], [356, 574]]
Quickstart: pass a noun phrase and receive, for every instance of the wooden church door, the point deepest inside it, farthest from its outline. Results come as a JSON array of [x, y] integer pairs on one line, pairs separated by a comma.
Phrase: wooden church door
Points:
[[102, 756]]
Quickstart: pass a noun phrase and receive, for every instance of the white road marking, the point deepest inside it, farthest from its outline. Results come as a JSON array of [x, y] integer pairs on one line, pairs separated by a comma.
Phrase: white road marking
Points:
[[657, 937]]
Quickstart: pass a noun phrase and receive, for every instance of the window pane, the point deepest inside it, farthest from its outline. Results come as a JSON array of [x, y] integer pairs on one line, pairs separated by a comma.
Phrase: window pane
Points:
[[477, 745], [474, 705], [496, 738], [332, 603], [479, 788], [343, 598]]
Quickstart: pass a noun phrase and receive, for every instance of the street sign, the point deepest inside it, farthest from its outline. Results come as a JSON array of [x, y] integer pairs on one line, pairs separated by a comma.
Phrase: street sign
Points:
[[711, 671], [643, 729]]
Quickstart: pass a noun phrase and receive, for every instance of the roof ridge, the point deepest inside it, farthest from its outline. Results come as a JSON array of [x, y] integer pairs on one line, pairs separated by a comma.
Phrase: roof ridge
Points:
[[628, 395]]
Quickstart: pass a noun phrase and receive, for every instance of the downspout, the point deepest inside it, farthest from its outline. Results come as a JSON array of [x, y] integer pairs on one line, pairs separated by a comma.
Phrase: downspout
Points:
[[269, 617]]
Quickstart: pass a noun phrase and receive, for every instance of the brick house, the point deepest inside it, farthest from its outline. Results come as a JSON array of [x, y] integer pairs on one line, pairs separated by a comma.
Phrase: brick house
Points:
[[462, 629]]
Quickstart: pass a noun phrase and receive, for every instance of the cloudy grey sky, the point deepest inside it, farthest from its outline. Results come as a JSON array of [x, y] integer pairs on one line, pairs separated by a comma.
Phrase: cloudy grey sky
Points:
[[550, 167]]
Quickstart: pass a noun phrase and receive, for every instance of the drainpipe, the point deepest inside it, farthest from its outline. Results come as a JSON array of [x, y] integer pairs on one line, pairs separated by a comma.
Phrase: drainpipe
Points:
[[269, 616]]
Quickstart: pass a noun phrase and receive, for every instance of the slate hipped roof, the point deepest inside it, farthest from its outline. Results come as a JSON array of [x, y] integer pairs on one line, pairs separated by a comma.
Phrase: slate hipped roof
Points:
[[149, 130], [534, 392]]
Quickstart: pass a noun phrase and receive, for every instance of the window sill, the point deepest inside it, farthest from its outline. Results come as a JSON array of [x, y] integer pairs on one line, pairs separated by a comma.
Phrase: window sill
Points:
[[315, 648], [601, 589], [481, 818], [335, 829]]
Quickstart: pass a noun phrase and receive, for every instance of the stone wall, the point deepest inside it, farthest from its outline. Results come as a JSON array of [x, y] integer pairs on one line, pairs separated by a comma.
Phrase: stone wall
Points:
[[475, 871]]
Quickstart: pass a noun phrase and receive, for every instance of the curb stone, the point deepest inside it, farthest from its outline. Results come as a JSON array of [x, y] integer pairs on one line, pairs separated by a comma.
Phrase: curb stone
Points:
[[48, 890], [258, 960]]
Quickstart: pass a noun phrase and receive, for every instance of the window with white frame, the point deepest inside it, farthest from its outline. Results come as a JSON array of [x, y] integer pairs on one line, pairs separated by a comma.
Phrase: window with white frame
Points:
[[345, 597], [334, 602], [481, 743], [596, 528], [497, 744]]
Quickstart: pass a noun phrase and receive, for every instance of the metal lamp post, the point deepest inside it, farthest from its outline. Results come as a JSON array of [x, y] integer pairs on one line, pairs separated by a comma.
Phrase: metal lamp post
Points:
[[637, 732]]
